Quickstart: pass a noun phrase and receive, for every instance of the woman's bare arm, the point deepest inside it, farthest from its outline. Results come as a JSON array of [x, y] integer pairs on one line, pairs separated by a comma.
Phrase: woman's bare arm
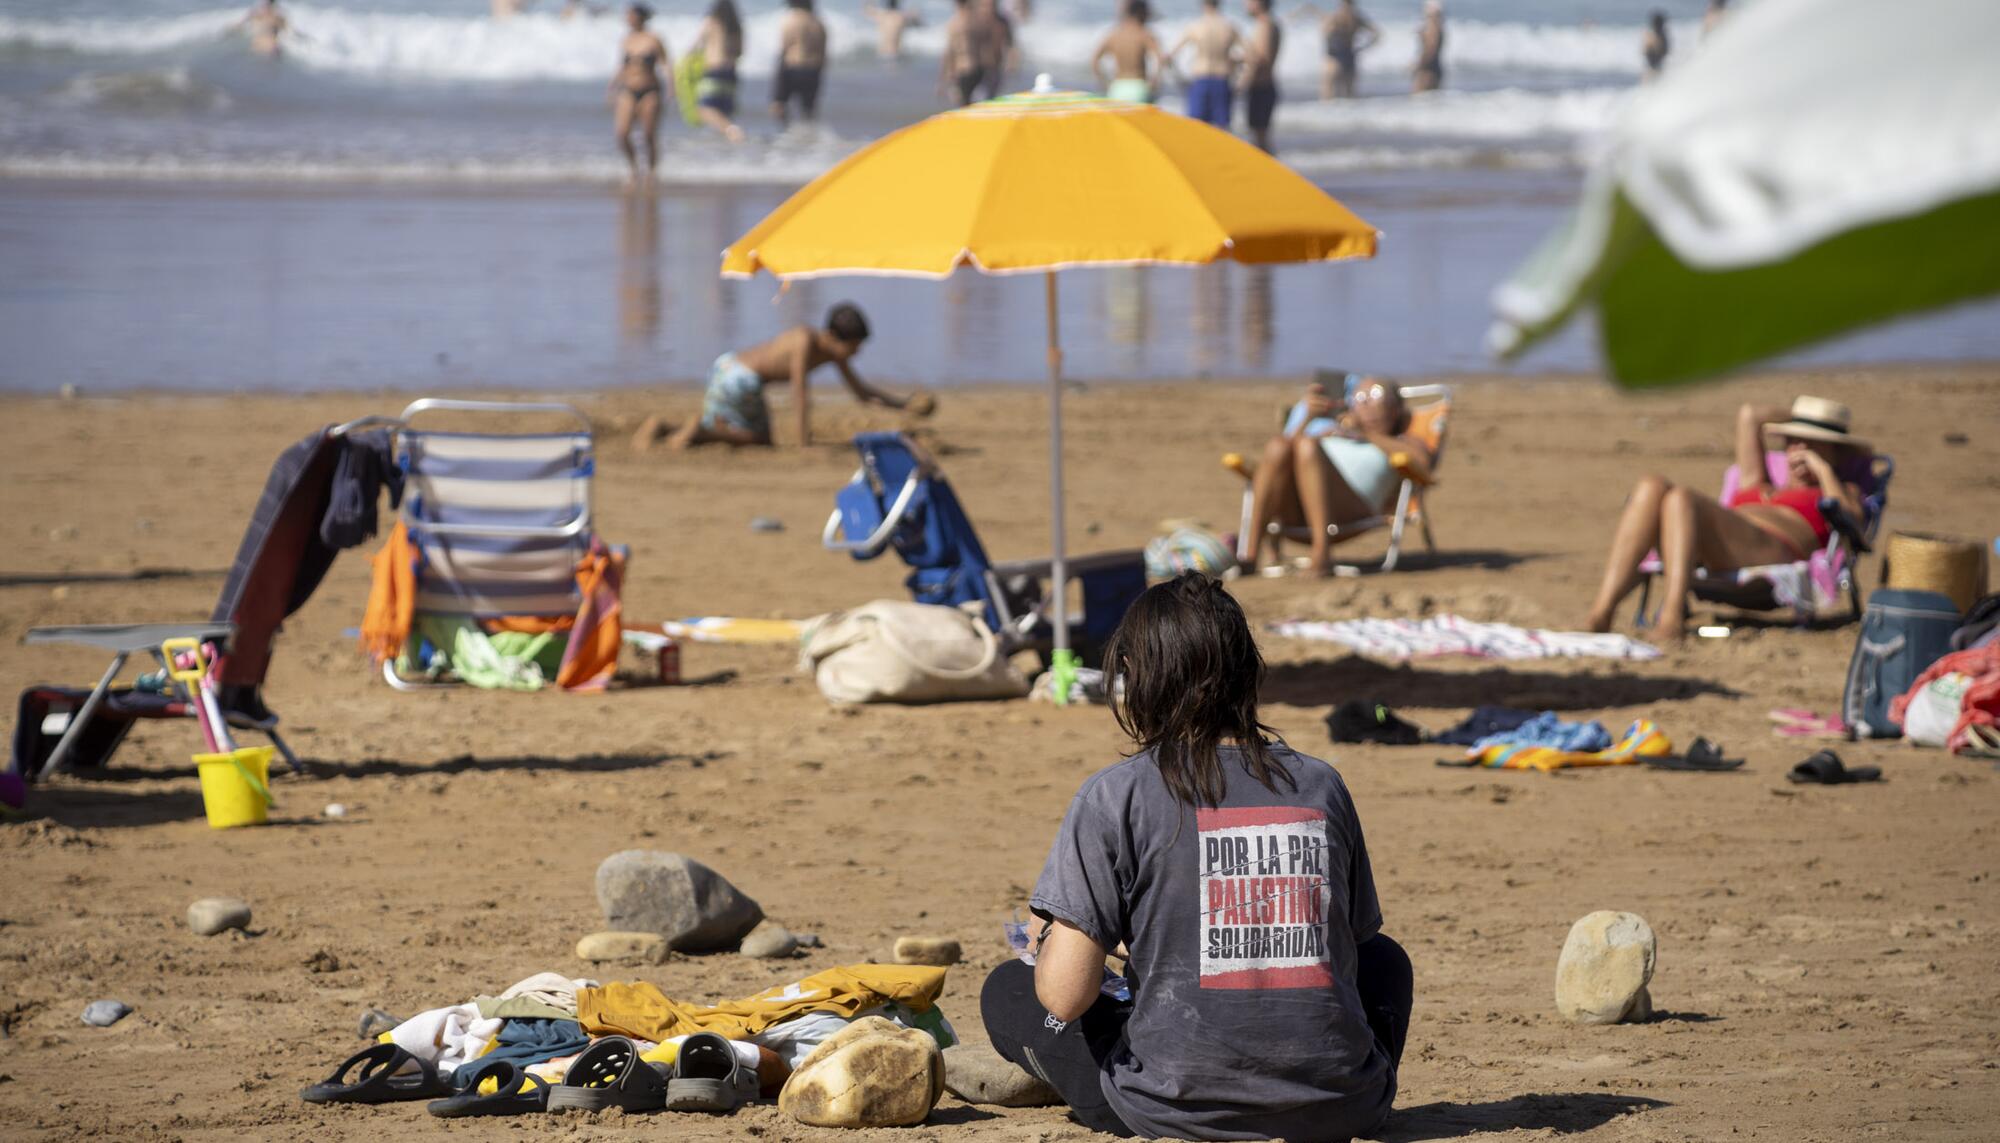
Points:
[[1069, 971], [1750, 422]]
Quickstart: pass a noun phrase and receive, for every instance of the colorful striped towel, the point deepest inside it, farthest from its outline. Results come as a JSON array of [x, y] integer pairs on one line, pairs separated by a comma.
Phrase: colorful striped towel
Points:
[[1641, 740]]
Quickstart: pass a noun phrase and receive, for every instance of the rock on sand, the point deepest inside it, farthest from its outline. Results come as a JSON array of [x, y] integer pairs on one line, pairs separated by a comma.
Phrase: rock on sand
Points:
[[212, 915], [693, 906], [105, 1013], [770, 941], [871, 1073], [941, 951], [1605, 966], [633, 948], [978, 1074]]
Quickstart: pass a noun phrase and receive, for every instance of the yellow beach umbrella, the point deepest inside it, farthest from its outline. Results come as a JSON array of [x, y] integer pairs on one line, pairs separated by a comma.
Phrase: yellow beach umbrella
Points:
[[1039, 182]]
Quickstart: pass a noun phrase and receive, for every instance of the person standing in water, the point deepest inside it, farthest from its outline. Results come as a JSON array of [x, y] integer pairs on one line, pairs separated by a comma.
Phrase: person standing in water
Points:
[[636, 92], [975, 54], [1135, 56], [1216, 49], [1346, 33], [1712, 18], [1429, 72], [801, 63], [721, 48], [265, 24], [891, 21], [1260, 73], [1655, 46]]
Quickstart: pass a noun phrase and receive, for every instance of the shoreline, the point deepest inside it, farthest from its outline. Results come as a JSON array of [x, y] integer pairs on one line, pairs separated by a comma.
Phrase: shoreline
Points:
[[1977, 372]]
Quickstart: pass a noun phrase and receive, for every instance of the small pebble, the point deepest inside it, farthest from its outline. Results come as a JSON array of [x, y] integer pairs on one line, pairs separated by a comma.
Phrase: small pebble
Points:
[[335, 810], [766, 524], [105, 1013]]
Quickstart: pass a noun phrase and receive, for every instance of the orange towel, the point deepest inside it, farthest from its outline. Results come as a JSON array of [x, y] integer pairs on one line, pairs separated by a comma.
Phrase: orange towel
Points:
[[591, 658], [392, 597]]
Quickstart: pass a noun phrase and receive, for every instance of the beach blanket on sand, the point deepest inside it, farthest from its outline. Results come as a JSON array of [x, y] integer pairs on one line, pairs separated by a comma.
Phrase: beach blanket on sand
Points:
[[1641, 740], [1399, 640]]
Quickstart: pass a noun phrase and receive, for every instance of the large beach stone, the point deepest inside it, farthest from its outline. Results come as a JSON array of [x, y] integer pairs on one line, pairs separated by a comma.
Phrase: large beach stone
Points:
[[630, 948], [212, 915], [105, 1013], [976, 1073], [872, 1073], [771, 941], [693, 906], [940, 951], [1605, 966]]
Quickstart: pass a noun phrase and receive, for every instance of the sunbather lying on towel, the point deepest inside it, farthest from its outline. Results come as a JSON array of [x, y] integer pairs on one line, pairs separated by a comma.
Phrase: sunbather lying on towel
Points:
[[1327, 469], [1763, 523]]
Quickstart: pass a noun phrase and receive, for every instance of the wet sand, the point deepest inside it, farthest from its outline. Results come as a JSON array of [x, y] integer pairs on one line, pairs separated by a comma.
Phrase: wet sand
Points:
[[1825, 954]]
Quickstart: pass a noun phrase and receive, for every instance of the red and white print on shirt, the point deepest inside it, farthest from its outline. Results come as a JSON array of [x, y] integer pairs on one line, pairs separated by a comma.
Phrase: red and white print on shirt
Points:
[[1264, 897]]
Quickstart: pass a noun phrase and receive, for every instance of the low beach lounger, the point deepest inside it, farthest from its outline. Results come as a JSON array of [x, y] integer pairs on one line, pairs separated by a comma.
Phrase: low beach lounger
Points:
[[1812, 587], [900, 499], [311, 507], [1430, 417]]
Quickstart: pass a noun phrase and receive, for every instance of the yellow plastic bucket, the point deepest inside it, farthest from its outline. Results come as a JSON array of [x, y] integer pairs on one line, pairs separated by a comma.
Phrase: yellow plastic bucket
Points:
[[235, 787]]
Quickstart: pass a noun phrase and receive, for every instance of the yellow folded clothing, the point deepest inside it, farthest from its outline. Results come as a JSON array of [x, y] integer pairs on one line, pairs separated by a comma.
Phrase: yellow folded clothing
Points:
[[643, 1012]]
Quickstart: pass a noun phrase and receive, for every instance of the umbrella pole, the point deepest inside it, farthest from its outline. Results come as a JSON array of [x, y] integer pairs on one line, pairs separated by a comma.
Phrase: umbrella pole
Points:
[[1062, 661]]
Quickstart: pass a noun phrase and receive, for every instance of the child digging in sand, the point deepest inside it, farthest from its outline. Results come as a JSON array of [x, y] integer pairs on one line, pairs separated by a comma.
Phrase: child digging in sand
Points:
[[1265, 1001], [733, 409]]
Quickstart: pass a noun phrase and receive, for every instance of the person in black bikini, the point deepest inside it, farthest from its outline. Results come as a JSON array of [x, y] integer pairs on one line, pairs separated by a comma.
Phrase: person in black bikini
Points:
[[636, 91]]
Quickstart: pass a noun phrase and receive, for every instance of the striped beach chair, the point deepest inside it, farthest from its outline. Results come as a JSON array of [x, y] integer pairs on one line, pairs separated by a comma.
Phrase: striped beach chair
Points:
[[498, 519]]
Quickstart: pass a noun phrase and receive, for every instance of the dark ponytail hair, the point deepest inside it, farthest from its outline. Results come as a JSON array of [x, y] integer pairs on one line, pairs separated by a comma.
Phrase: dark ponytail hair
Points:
[[1191, 672]]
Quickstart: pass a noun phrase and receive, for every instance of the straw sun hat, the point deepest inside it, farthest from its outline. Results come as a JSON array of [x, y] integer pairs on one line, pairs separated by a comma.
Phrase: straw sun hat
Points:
[[1817, 419]]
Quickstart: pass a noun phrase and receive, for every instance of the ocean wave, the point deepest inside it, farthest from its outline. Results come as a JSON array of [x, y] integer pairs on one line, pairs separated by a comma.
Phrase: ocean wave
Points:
[[541, 46], [1506, 115], [694, 166], [156, 92], [1335, 160]]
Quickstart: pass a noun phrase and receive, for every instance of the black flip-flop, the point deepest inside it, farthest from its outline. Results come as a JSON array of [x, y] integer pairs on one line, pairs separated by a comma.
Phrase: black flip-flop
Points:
[[519, 1093], [610, 1073], [1826, 769], [1702, 755], [382, 1079]]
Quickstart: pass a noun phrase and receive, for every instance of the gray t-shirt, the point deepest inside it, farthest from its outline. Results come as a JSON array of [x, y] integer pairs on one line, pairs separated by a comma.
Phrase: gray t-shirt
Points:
[[1241, 921]]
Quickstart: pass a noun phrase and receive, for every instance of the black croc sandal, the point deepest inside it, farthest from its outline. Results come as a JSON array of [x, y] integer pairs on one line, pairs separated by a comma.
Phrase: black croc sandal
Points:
[[708, 1076], [519, 1093], [610, 1073], [1826, 769], [382, 1079]]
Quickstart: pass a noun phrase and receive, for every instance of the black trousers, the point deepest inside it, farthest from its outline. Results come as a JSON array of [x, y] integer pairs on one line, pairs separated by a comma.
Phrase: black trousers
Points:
[[1071, 1057]]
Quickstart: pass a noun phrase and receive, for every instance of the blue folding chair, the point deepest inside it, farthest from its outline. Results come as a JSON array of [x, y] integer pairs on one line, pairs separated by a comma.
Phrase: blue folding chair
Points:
[[899, 499]]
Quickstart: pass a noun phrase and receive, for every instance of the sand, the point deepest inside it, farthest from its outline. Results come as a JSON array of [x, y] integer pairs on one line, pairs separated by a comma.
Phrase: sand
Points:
[[1825, 961]]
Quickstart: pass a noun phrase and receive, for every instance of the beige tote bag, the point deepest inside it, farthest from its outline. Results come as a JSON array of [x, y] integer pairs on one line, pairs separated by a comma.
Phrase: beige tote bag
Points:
[[895, 651]]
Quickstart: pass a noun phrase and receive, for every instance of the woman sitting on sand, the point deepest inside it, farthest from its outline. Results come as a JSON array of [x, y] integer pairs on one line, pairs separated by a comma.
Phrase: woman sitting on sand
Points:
[[1264, 1001], [1761, 524], [1323, 472], [636, 92]]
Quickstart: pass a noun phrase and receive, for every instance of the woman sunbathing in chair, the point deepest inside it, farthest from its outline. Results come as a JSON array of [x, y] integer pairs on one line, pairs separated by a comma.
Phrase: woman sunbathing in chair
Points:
[[1762, 523], [1324, 472]]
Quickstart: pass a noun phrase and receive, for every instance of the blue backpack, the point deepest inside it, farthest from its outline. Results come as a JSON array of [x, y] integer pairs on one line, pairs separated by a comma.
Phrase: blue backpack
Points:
[[1902, 633]]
